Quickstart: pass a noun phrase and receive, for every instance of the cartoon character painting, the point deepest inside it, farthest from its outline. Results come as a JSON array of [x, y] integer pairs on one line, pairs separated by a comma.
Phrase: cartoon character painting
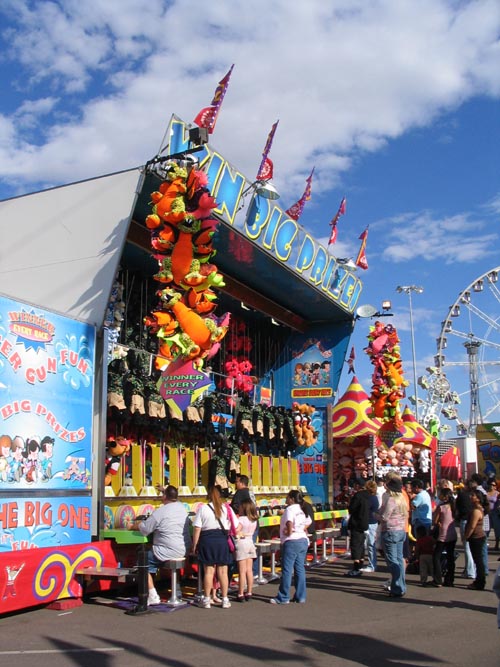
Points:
[[46, 452], [325, 372], [5, 456], [9, 588], [15, 469], [297, 375], [74, 471], [31, 462]]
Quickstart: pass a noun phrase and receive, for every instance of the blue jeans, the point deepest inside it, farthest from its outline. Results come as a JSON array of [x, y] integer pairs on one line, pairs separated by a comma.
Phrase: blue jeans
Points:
[[485, 557], [393, 541], [469, 567], [371, 548], [477, 551], [293, 558]]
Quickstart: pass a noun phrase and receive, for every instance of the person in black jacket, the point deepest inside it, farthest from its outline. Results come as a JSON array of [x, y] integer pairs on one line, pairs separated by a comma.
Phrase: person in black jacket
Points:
[[359, 512]]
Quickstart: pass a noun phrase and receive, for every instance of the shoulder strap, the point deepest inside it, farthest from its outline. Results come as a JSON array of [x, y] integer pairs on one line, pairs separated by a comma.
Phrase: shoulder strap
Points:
[[230, 515]]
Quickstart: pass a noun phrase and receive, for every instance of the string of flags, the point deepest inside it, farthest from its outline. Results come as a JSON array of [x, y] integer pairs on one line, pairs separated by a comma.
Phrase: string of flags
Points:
[[207, 118]]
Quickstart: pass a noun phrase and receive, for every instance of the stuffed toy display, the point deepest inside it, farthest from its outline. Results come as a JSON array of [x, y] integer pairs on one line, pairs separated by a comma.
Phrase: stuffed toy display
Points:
[[114, 316], [116, 449], [117, 370], [388, 382], [181, 235], [302, 425], [424, 460], [225, 463]]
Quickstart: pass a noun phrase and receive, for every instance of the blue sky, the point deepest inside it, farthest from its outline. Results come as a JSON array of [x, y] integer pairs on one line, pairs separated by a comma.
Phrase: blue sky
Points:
[[395, 103]]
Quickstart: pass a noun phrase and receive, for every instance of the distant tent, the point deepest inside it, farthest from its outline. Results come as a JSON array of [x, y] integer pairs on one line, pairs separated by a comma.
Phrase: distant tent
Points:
[[451, 466], [351, 414], [414, 432]]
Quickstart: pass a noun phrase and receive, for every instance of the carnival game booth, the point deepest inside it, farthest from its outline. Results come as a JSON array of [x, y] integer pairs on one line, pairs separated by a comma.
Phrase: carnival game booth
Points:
[[104, 395], [365, 447]]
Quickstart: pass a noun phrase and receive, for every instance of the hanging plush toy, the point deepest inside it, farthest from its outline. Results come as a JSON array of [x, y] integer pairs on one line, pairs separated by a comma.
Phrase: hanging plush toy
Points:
[[116, 449], [182, 230], [388, 382], [424, 460]]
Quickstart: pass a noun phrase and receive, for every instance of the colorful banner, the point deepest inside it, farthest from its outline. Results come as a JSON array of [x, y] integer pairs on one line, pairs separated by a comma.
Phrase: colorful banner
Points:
[[46, 397], [488, 449], [33, 577], [32, 523], [312, 461], [307, 374], [181, 384], [268, 226]]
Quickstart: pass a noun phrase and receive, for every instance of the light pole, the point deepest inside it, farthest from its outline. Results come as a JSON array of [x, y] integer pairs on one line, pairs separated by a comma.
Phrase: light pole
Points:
[[408, 289]]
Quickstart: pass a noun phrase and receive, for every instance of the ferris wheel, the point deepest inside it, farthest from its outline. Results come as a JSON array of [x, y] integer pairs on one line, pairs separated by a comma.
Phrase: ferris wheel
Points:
[[464, 384]]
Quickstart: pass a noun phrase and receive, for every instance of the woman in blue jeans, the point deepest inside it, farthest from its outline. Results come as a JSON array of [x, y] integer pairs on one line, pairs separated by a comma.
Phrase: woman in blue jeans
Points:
[[393, 516], [294, 545]]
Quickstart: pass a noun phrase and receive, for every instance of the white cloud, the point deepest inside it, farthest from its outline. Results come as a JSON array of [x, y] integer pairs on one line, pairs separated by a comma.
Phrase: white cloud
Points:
[[453, 239], [342, 78]]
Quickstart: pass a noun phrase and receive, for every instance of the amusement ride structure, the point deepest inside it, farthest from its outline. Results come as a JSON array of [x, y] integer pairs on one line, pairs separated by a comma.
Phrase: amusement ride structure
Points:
[[468, 354]]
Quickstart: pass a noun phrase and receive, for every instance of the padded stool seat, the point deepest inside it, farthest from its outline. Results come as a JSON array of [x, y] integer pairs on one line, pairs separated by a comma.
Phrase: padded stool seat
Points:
[[275, 547], [318, 536], [328, 534], [174, 564], [262, 548]]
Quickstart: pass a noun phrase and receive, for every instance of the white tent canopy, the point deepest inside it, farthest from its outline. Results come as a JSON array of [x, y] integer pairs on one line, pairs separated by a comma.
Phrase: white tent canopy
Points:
[[60, 248]]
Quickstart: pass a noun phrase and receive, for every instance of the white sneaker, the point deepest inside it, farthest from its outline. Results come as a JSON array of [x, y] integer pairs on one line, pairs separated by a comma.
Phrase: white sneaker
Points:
[[204, 603], [225, 603], [153, 598], [367, 569]]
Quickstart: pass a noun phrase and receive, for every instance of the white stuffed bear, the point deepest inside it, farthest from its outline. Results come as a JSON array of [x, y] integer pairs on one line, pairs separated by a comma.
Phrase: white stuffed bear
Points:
[[424, 460]]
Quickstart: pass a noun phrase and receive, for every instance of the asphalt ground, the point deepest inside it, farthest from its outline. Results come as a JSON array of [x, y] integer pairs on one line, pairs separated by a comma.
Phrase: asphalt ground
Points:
[[345, 622]]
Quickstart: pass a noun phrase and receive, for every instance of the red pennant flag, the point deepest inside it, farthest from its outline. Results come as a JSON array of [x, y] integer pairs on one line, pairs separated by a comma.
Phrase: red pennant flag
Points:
[[333, 235], [266, 166], [350, 361], [361, 260], [335, 219], [207, 117], [295, 211], [266, 170]]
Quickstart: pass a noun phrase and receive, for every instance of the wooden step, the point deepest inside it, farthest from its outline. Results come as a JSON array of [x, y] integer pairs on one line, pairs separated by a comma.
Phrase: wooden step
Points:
[[120, 574]]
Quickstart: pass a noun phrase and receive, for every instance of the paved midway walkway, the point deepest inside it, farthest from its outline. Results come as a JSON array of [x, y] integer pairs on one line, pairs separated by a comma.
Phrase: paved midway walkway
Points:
[[345, 622]]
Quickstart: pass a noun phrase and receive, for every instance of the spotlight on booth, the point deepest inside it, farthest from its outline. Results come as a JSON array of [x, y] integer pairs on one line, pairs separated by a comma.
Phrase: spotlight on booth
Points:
[[264, 189], [347, 263]]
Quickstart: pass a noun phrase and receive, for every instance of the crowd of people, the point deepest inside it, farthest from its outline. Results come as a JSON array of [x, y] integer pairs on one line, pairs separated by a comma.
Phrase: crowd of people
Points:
[[405, 523], [416, 530]]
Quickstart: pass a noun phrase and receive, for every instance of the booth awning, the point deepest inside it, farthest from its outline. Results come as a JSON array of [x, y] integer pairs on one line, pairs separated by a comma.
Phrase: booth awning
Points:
[[413, 432], [61, 247], [350, 416]]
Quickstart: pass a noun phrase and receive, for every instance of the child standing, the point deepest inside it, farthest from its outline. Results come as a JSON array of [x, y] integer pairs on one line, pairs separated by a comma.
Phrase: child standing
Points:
[[245, 549], [424, 551]]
